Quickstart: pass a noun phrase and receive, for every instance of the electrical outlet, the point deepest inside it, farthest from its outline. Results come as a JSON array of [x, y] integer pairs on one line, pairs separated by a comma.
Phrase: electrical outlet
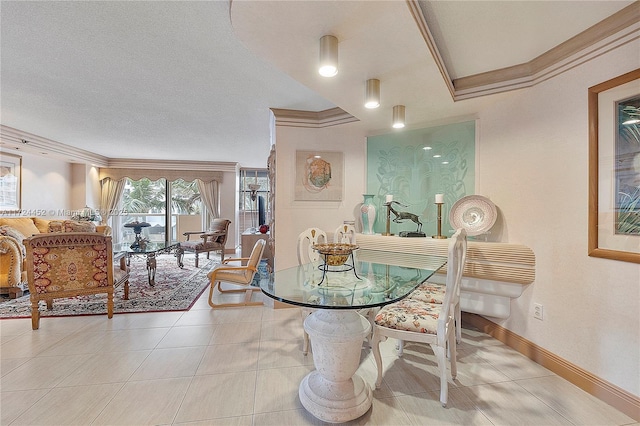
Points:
[[538, 311]]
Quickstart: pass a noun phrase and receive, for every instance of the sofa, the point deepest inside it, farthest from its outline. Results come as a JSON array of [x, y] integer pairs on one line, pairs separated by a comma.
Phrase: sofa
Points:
[[13, 275]]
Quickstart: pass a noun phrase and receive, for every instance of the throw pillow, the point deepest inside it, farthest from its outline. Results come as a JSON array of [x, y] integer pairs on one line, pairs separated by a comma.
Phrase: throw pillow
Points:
[[79, 226], [23, 224], [14, 233], [71, 226]]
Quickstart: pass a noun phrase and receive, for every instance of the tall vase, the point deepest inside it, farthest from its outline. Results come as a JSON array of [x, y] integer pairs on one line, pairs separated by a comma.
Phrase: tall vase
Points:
[[368, 211]]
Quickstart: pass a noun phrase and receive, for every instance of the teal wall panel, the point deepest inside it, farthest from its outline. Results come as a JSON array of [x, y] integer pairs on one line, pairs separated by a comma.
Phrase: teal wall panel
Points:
[[414, 165]]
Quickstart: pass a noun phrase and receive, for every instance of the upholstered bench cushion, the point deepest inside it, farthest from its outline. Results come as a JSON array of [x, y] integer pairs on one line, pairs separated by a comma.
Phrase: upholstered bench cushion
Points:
[[200, 245], [429, 293], [410, 315]]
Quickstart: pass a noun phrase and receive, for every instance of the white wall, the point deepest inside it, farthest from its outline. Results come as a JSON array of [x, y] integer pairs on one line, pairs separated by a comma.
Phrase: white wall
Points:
[[228, 207], [532, 163], [45, 186], [293, 217], [536, 145]]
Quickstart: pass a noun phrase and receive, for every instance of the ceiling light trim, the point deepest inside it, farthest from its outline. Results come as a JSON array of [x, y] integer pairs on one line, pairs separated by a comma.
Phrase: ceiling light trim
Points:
[[372, 93], [328, 57], [399, 117]]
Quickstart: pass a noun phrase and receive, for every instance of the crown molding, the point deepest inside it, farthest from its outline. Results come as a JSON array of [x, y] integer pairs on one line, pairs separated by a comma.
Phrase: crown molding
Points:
[[17, 140], [312, 119], [618, 29], [207, 166]]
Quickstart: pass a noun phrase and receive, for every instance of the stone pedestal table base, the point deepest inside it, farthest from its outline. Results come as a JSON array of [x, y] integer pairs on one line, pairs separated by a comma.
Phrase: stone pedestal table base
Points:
[[333, 392]]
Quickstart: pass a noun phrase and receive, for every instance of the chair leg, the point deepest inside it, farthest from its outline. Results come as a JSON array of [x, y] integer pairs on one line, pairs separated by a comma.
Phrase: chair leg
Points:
[[452, 357], [305, 343], [440, 353], [305, 337], [247, 296], [375, 348], [35, 315], [110, 305], [400, 347], [458, 324], [196, 259]]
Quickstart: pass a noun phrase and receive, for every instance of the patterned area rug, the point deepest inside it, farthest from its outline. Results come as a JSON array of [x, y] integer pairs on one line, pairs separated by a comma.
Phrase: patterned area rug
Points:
[[175, 290]]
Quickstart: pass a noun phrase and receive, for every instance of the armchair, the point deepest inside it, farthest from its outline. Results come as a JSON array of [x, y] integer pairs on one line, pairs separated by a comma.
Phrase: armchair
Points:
[[212, 240], [239, 275], [68, 264]]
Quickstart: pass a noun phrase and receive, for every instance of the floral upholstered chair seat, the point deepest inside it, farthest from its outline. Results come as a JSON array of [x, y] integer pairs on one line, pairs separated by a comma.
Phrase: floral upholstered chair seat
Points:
[[410, 315], [428, 293]]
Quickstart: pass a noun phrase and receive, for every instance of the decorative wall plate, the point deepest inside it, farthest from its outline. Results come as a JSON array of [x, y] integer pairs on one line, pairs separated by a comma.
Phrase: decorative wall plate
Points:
[[475, 213]]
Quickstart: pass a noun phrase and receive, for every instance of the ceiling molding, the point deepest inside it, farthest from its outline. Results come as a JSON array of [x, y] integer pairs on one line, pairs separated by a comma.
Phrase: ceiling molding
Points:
[[19, 140], [418, 16], [618, 29], [312, 119], [207, 166]]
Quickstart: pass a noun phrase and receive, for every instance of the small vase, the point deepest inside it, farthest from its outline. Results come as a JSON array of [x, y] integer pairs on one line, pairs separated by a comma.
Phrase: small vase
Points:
[[368, 211]]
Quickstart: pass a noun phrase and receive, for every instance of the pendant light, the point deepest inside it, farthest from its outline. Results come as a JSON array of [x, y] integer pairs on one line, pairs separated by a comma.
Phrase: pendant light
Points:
[[328, 56], [372, 94], [398, 116]]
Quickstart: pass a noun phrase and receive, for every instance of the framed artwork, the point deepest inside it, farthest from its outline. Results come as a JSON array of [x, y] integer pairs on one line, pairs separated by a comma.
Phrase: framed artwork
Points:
[[10, 182], [614, 168], [319, 176]]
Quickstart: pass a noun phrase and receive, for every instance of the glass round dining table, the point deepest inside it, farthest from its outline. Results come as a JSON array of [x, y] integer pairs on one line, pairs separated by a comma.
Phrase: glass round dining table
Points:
[[333, 392]]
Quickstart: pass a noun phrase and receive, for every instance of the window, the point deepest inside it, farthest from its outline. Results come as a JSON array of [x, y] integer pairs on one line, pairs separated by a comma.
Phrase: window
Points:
[[158, 203]]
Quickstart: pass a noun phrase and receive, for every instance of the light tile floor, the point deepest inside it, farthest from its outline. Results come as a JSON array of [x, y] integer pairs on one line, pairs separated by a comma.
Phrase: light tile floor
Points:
[[242, 366]]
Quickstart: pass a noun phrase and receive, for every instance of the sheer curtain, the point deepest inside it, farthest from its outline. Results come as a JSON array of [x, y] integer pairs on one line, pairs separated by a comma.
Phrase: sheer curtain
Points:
[[210, 197], [110, 197]]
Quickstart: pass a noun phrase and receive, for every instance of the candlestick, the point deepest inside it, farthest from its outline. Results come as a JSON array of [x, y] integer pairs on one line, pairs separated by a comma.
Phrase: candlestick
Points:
[[388, 230], [439, 234], [389, 198], [439, 198]]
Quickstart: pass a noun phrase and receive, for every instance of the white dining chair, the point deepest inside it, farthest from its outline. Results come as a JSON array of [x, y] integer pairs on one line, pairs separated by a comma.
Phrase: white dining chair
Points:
[[306, 254], [433, 323], [345, 234]]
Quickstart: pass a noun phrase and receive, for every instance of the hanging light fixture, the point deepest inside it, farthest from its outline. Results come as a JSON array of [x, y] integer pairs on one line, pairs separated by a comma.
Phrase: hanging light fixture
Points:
[[328, 56], [372, 94], [398, 116]]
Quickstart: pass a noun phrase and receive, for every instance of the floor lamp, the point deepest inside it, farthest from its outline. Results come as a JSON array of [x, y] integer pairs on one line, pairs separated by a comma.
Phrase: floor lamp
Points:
[[253, 187]]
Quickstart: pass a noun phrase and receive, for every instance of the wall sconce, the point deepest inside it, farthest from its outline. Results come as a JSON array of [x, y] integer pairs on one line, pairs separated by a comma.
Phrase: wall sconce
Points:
[[398, 117], [328, 56], [372, 94]]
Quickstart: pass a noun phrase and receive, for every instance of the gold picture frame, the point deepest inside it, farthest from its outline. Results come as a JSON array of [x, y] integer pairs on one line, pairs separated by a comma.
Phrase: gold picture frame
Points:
[[10, 182], [605, 102]]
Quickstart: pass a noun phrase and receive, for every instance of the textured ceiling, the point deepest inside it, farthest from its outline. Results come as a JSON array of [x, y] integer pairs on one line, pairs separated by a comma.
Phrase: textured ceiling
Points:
[[195, 80]]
